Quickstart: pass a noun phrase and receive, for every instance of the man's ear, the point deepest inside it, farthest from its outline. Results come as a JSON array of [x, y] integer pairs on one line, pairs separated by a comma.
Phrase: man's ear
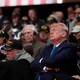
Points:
[[63, 34]]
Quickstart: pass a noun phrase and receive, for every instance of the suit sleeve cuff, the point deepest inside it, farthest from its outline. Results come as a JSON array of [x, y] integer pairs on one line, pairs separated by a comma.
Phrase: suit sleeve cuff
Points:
[[40, 60]]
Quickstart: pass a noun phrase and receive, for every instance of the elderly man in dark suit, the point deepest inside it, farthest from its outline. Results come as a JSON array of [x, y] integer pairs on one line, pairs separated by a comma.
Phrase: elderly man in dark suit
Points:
[[59, 58]]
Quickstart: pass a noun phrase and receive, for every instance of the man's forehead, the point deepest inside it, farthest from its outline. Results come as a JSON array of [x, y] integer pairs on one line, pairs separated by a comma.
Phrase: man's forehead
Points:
[[54, 25], [27, 29]]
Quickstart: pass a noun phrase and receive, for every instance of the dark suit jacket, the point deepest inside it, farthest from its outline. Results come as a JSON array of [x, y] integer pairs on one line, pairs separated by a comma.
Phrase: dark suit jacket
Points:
[[64, 58]]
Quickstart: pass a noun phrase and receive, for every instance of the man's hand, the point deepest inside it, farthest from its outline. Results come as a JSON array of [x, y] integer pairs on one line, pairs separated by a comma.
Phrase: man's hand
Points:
[[49, 68], [45, 69], [76, 77]]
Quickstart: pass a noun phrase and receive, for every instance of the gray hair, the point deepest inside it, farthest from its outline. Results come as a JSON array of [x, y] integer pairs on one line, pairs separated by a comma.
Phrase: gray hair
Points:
[[32, 27]]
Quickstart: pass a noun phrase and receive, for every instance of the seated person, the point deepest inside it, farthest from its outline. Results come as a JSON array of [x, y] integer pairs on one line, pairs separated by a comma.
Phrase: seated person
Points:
[[15, 51], [16, 66], [58, 58], [32, 45], [43, 34]]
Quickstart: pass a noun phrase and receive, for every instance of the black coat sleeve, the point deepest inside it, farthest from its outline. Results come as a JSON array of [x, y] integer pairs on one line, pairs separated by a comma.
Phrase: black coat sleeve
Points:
[[15, 70], [35, 65], [65, 57]]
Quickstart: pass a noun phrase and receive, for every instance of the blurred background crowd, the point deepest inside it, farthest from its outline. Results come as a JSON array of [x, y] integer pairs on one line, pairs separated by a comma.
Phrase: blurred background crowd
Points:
[[33, 31]]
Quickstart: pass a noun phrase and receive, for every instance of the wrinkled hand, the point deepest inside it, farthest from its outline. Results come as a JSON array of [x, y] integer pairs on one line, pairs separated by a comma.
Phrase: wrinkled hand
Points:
[[49, 68], [76, 77], [45, 69]]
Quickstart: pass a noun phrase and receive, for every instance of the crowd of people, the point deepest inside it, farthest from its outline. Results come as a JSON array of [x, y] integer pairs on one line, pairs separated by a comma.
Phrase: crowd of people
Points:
[[35, 49]]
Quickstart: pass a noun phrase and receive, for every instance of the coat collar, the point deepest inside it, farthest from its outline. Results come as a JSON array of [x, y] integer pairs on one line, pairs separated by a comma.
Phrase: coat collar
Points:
[[62, 45]]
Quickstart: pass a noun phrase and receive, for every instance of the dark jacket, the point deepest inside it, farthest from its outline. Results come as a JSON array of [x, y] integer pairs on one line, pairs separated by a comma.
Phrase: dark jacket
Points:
[[35, 48], [64, 58], [1, 21], [15, 70]]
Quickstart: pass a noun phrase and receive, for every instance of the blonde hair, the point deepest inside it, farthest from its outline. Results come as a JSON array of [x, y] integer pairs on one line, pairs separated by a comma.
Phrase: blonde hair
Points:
[[64, 27]]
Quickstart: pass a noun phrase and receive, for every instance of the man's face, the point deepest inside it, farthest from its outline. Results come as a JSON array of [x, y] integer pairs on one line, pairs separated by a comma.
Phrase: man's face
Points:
[[77, 12], [28, 34], [15, 20], [55, 33], [59, 16], [31, 14], [71, 16], [77, 35], [43, 35], [11, 54]]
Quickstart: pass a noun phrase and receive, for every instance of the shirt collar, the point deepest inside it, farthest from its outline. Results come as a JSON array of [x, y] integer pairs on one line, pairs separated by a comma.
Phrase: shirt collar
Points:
[[57, 45]]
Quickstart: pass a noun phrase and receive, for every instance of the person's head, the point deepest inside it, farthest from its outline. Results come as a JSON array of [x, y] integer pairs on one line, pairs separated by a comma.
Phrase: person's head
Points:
[[29, 32], [24, 21], [58, 32], [12, 48], [76, 31], [3, 37], [15, 18], [71, 16], [77, 20], [32, 13], [77, 12], [5, 24], [59, 15], [17, 10], [44, 32], [70, 9], [52, 19]]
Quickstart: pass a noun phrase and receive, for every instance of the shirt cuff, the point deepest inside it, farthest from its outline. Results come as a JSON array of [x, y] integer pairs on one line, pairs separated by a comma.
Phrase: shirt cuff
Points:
[[40, 60], [44, 68]]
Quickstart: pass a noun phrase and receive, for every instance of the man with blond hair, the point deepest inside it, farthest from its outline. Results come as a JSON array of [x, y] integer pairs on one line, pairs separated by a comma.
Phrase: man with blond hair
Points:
[[58, 58]]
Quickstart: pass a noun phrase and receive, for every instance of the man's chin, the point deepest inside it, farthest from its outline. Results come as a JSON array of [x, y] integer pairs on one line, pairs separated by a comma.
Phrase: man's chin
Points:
[[52, 39]]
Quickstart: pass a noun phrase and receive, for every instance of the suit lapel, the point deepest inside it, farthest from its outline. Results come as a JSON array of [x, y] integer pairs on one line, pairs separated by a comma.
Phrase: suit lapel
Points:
[[60, 47]]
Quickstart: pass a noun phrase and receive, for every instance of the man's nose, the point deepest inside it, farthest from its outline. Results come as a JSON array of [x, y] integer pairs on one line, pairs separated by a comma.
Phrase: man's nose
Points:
[[51, 32]]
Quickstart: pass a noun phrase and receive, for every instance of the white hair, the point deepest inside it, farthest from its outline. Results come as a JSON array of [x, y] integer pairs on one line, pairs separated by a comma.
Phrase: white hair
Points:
[[30, 26]]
